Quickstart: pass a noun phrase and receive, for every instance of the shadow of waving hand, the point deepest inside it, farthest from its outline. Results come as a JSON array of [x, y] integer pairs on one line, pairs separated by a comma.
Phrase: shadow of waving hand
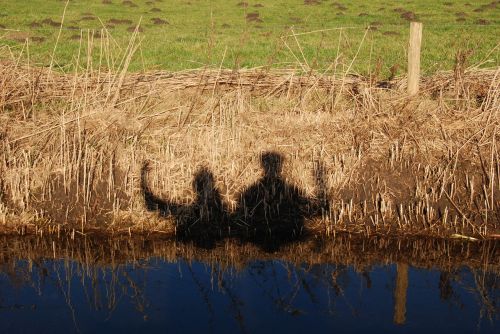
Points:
[[204, 221]]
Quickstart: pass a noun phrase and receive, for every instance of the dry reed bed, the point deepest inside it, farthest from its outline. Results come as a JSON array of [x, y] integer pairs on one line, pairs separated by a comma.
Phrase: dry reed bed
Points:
[[73, 146]]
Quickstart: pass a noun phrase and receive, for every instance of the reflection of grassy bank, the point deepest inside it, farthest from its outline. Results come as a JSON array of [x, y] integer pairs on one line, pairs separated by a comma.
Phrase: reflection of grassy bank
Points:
[[73, 146]]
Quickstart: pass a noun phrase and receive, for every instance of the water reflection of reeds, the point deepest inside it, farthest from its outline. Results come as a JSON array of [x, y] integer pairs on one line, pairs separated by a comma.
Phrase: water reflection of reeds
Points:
[[343, 249], [110, 270]]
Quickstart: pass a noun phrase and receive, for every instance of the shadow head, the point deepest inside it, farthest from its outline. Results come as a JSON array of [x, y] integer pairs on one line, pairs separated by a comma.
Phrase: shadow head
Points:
[[203, 181], [272, 163]]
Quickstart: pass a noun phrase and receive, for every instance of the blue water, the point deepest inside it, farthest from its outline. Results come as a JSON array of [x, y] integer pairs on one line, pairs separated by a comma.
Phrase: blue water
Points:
[[263, 297]]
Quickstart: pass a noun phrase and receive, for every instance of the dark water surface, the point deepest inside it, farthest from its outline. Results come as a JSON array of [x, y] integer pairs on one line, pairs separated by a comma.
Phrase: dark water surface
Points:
[[260, 296]]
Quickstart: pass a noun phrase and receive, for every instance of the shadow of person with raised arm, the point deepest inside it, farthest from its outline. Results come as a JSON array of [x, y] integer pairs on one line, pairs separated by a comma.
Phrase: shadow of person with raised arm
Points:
[[272, 212], [204, 221]]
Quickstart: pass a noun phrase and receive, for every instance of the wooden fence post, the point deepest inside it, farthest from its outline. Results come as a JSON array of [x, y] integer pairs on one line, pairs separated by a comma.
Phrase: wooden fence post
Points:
[[414, 57]]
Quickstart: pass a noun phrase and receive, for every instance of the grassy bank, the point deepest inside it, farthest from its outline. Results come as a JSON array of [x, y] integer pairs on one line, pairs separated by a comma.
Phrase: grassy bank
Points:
[[238, 153], [179, 34]]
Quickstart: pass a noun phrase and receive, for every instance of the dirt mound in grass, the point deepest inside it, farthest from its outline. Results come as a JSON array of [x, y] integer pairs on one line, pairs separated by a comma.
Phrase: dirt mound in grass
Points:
[[159, 21], [35, 24], [253, 17], [408, 16], [129, 3], [482, 22], [50, 22]]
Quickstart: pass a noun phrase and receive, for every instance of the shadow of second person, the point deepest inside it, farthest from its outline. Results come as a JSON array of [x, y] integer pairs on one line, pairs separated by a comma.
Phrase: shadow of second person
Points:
[[204, 221], [272, 211]]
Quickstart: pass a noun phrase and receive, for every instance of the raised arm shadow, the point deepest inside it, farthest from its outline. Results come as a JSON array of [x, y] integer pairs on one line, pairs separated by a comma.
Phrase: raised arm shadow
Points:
[[204, 220]]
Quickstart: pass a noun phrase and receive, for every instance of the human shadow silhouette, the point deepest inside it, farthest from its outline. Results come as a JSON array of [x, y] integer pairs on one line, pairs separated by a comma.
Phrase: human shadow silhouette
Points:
[[272, 211], [203, 221]]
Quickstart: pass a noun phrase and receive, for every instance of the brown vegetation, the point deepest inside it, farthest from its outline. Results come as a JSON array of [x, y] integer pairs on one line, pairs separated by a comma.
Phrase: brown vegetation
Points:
[[73, 145]]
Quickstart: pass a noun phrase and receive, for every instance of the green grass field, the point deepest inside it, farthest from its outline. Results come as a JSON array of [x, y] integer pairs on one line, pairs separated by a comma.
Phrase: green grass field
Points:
[[180, 34]]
